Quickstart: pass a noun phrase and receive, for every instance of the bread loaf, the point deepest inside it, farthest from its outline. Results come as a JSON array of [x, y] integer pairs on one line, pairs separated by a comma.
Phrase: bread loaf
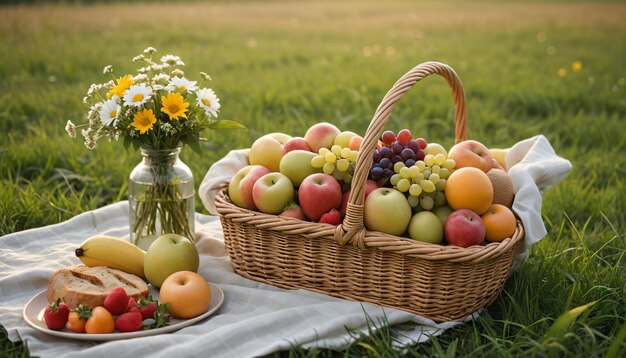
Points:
[[90, 285]]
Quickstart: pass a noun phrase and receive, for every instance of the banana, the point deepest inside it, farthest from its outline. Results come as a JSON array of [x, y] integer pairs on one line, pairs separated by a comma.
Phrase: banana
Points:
[[112, 252]]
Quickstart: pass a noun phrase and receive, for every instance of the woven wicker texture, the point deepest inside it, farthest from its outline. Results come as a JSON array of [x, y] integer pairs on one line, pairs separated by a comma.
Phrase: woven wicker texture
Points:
[[348, 261]]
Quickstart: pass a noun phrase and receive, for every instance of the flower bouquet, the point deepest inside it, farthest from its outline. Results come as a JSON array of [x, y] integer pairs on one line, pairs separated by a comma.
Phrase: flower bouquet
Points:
[[157, 110]]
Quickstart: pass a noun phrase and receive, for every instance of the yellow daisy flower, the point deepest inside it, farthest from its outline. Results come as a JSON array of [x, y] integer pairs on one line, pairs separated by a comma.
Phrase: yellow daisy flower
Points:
[[122, 84], [174, 105], [143, 121], [577, 66]]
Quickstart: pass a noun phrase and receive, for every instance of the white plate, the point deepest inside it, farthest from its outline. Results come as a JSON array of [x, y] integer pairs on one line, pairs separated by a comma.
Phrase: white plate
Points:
[[33, 314]]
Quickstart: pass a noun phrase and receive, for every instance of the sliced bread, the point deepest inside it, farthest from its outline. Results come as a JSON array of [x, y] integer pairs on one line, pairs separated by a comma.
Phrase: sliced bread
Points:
[[90, 285]]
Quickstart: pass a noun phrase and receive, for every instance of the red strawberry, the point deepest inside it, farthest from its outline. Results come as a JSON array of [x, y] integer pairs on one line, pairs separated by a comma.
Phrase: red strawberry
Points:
[[332, 217], [147, 308], [129, 322], [116, 301], [131, 304], [56, 314]]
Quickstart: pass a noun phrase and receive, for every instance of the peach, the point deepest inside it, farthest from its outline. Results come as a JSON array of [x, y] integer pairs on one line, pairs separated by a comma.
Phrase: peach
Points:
[[469, 188], [321, 135], [471, 153], [355, 142], [500, 223]]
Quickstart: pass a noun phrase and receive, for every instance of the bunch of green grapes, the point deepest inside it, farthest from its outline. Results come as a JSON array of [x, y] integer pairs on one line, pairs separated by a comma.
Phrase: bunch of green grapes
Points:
[[425, 181], [336, 161]]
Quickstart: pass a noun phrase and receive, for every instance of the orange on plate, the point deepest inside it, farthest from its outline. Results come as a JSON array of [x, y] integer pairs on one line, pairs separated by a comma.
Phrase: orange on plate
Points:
[[469, 188]]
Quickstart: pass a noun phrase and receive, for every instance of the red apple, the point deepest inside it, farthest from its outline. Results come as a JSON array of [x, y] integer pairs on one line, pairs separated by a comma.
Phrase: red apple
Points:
[[464, 228], [240, 186], [318, 194], [471, 153], [321, 135], [370, 185], [296, 143]]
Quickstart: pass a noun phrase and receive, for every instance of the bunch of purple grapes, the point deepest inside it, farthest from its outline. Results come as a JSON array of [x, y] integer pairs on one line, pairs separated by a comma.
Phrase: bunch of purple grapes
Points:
[[394, 149]]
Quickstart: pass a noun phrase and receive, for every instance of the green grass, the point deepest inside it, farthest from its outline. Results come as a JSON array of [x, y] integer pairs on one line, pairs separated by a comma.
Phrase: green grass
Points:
[[282, 67]]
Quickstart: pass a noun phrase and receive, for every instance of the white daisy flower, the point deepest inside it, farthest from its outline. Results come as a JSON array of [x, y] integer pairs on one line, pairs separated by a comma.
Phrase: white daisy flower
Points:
[[209, 101], [107, 69], [137, 95], [139, 58], [149, 50], [181, 84], [109, 112], [170, 59]]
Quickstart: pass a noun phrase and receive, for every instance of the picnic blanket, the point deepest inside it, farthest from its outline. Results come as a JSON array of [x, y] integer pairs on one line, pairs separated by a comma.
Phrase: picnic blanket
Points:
[[255, 319]]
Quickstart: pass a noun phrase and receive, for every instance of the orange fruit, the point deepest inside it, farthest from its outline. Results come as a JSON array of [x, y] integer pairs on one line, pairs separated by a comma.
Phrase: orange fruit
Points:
[[469, 188], [499, 222], [187, 294]]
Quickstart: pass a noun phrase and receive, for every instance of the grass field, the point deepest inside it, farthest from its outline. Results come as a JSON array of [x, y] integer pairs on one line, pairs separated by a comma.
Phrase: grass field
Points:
[[283, 66]]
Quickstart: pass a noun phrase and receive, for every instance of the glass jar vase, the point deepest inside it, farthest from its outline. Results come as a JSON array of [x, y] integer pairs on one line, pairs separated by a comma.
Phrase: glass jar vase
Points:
[[161, 197]]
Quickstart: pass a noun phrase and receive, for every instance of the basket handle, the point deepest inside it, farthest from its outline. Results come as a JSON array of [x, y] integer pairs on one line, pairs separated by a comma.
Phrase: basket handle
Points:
[[353, 229]]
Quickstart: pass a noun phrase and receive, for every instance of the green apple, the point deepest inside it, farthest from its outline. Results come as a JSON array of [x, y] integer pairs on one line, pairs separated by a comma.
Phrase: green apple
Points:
[[425, 226], [272, 193], [434, 149], [343, 139], [169, 253], [442, 212], [296, 165], [387, 210], [268, 150]]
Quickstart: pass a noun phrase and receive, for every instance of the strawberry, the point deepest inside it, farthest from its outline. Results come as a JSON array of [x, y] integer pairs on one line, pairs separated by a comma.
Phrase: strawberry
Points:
[[332, 217], [147, 307], [129, 322], [56, 314], [131, 304], [116, 301]]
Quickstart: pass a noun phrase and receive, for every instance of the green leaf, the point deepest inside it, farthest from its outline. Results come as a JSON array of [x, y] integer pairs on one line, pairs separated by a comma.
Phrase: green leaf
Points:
[[226, 124], [564, 321], [127, 141], [617, 349]]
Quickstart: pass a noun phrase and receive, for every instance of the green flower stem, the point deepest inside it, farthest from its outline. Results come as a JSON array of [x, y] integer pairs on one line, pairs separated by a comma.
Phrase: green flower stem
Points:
[[161, 203]]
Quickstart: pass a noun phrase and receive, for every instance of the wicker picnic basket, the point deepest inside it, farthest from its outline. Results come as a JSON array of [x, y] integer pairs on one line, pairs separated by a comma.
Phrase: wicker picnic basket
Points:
[[439, 282]]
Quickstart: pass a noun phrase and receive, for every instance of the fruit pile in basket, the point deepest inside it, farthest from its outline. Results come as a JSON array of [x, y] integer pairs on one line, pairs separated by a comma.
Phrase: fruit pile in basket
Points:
[[415, 189]]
